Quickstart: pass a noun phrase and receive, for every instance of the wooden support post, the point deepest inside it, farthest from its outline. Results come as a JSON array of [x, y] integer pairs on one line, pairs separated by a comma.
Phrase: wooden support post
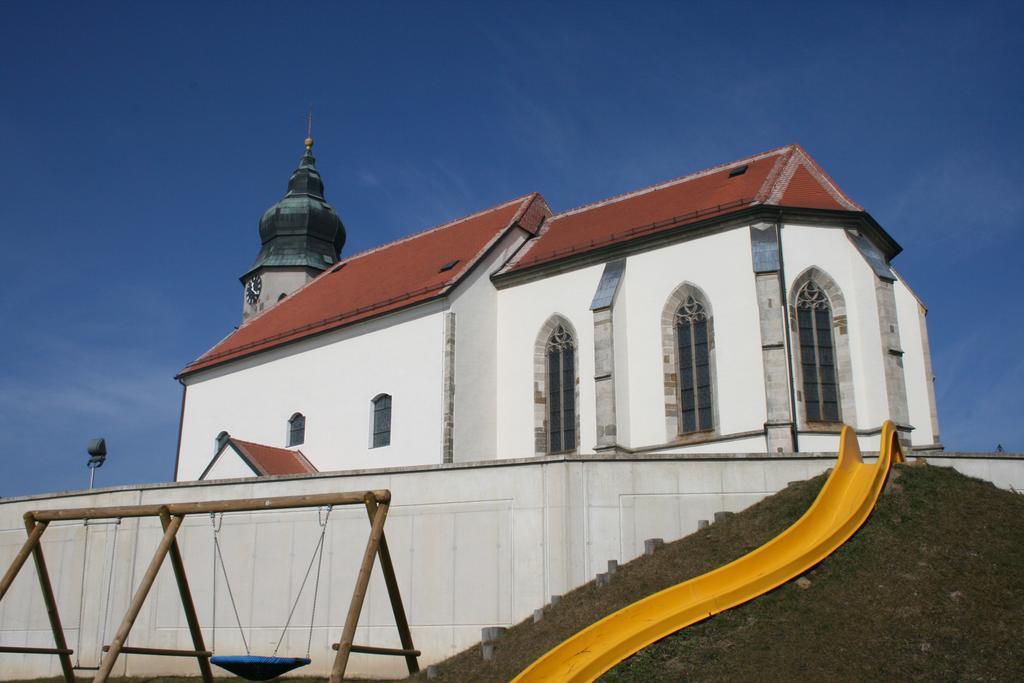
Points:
[[19, 559], [186, 602], [107, 663], [391, 581], [50, 601], [359, 593]]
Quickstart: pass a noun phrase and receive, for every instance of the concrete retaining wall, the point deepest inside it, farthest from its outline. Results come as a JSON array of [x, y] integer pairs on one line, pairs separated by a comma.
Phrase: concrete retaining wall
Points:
[[473, 545]]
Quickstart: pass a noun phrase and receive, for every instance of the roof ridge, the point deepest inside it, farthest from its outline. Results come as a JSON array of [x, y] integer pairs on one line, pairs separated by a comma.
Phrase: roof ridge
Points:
[[800, 158], [674, 181], [772, 179], [815, 167], [433, 229]]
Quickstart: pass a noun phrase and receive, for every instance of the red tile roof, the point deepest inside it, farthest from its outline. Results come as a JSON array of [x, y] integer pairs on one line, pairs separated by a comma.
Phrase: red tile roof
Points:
[[406, 272], [377, 281], [268, 460], [786, 176]]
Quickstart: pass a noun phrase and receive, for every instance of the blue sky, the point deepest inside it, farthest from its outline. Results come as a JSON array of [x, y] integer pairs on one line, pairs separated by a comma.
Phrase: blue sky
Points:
[[140, 142]]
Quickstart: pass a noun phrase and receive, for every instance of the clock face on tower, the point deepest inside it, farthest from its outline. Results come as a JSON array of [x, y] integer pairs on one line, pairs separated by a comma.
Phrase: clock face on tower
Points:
[[253, 287]]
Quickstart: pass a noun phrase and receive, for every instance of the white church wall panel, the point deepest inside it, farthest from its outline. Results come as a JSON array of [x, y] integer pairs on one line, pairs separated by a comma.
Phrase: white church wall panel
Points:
[[475, 305], [330, 379], [473, 546], [831, 251], [229, 466], [719, 265], [522, 311], [908, 311]]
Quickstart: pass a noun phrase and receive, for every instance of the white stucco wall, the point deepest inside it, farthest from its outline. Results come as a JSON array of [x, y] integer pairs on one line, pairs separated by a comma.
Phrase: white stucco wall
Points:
[[330, 379], [475, 305], [522, 311], [831, 251], [908, 311], [720, 265], [229, 466]]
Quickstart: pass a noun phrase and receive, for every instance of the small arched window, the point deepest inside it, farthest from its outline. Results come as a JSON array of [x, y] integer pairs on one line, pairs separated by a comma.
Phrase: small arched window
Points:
[[693, 358], [561, 390], [381, 435], [222, 440], [297, 429], [817, 354]]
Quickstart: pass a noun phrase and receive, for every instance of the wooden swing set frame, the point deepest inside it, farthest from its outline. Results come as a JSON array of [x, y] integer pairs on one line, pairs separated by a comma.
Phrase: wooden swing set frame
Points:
[[171, 517]]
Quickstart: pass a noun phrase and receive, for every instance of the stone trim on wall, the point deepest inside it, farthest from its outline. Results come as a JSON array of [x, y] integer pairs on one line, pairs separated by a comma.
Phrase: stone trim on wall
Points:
[[841, 341], [892, 354], [929, 375], [448, 389], [604, 378], [670, 364], [777, 392], [540, 378]]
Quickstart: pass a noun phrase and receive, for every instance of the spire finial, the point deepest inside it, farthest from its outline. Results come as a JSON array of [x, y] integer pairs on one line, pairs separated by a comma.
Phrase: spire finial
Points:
[[309, 129]]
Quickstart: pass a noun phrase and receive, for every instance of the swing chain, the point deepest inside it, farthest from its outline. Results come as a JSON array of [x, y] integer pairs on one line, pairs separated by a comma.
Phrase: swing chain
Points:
[[213, 616], [216, 523], [318, 556], [316, 584]]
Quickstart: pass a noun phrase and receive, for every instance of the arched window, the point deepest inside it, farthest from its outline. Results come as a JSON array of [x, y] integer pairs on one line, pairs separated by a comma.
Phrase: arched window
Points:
[[296, 429], [817, 354], [688, 365], [694, 367], [381, 435], [561, 390], [222, 440]]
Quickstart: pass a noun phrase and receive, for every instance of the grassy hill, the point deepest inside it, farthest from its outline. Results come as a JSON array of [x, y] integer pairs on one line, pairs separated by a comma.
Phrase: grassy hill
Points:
[[932, 588]]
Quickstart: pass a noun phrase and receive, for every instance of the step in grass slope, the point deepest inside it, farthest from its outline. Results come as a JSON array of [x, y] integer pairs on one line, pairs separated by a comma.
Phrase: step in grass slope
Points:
[[931, 588]]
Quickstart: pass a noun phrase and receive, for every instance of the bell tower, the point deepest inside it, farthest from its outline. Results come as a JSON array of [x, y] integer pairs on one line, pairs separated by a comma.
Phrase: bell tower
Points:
[[301, 236]]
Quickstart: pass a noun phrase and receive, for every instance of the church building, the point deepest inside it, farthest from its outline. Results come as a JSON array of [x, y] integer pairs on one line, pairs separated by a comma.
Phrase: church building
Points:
[[747, 308]]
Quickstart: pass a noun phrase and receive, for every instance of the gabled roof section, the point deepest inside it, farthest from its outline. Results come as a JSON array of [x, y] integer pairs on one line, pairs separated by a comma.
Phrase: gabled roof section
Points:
[[264, 460], [378, 281], [268, 460], [786, 176]]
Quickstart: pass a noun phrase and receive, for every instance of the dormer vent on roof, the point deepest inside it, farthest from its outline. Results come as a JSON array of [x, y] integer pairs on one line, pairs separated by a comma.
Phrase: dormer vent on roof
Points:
[[302, 229]]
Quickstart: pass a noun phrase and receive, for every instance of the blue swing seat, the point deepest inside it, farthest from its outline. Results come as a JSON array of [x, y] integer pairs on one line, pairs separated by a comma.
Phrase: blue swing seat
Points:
[[253, 668]]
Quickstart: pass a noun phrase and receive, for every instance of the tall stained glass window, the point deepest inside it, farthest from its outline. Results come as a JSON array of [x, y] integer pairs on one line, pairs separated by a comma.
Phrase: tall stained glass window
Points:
[[561, 386], [696, 414], [817, 354]]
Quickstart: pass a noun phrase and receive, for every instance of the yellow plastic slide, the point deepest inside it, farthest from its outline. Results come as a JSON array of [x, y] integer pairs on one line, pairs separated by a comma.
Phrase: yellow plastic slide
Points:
[[842, 506]]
